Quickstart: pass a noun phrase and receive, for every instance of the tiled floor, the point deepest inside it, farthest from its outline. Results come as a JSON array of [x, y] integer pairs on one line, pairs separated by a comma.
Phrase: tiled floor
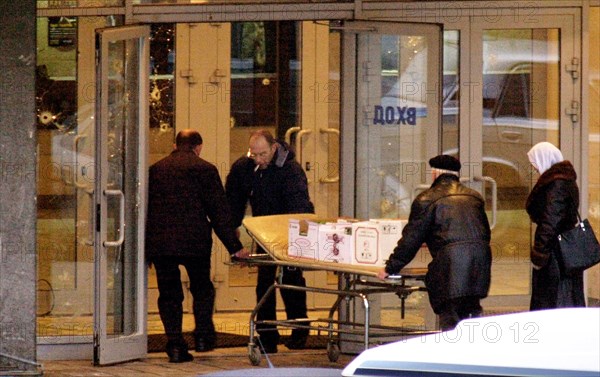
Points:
[[218, 360], [221, 359]]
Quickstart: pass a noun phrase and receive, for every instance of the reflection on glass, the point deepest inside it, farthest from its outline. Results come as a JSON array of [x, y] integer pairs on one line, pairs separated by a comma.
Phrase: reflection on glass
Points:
[[122, 157], [520, 109], [397, 137], [451, 93], [265, 79], [162, 91], [65, 103], [254, 73]]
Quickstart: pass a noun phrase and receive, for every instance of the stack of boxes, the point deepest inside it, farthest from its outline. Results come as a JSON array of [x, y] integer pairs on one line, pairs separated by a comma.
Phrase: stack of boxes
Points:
[[347, 241]]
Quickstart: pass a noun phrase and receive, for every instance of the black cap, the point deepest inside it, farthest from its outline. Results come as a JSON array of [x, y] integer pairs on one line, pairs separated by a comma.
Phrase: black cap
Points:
[[445, 162]]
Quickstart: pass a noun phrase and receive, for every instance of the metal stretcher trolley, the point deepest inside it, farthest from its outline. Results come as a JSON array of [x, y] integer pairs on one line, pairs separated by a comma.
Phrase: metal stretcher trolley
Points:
[[355, 282]]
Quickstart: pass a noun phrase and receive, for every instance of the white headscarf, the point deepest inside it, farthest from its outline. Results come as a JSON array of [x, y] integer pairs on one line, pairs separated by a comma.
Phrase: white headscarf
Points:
[[543, 155]]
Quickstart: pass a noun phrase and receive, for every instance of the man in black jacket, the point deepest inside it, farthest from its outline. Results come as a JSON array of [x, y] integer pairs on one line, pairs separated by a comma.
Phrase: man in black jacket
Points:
[[186, 201], [450, 218], [274, 183]]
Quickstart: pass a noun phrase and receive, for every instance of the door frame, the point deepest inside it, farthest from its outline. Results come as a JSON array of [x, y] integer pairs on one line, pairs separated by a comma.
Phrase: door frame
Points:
[[111, 348]]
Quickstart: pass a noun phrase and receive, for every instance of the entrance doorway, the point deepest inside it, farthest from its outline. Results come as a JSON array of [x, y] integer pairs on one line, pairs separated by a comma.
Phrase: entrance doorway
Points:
[[507, 84], [277, 75]]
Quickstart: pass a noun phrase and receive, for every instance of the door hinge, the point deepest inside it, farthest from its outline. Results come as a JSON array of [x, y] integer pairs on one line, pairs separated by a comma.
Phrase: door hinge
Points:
[[217, 76], [573, 111], [573, 68], [189, 75]]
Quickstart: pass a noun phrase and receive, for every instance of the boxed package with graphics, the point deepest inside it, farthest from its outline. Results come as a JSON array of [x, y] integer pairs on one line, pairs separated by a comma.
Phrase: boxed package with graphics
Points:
[[303, 239], [375, 240], [335, 242]]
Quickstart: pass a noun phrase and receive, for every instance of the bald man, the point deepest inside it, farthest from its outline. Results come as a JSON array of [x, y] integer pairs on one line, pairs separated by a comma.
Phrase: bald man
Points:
[[274, 183], [186, 202]]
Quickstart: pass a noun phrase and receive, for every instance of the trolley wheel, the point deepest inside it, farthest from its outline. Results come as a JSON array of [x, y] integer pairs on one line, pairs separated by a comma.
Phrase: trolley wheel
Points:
[[254, 354], [333, 351]]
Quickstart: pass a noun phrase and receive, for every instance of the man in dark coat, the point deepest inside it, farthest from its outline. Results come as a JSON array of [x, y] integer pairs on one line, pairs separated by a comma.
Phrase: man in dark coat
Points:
[[552, 205], [274, 183], [450, 218], [186, 201]]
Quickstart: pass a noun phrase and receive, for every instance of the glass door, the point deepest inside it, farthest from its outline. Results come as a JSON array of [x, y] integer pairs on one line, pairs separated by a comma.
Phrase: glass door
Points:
[[398, 113], [526, 94], [392, 125], [121, 127]]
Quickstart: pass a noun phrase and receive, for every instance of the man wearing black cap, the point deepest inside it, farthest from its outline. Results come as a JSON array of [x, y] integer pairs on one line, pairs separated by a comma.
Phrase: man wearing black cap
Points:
[[450, 218]]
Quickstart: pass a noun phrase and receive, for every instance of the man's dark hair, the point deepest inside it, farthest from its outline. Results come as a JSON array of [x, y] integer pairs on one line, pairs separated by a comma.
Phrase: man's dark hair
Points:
[[188, 139]]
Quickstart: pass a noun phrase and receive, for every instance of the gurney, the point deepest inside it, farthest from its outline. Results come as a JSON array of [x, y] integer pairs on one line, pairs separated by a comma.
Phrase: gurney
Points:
[[355, 282]]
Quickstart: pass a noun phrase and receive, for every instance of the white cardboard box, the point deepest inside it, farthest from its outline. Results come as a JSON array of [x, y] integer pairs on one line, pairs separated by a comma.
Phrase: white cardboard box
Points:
[[303, 239], [375, 240], [335, 242]]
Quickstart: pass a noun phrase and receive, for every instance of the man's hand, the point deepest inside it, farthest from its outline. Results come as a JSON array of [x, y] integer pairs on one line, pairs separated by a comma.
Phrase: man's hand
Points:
[[242, 254], [382, 274]]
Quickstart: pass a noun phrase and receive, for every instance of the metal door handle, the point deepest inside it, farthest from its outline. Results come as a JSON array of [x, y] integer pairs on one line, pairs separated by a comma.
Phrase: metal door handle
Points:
[[78, 184], [289, 132], [90, 240], [298, 149], [118, 242], [336, 132], [494, 185]]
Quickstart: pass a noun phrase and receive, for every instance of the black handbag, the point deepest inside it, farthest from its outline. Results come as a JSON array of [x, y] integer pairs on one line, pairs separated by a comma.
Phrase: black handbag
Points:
[[579, 248]]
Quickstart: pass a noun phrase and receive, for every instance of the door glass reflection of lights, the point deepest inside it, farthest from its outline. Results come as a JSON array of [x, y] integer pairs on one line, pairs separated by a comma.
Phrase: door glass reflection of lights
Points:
[[122, 175], [399, 132], [66, 171], [520, 108]]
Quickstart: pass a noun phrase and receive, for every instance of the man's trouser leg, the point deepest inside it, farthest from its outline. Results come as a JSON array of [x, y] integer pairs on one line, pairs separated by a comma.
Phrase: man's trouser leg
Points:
[[170, 299], [295, 304], [203, 293], [457, 309], [269, 336]]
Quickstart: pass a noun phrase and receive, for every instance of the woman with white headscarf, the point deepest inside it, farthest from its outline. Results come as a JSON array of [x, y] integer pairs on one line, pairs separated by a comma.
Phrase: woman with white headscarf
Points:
[[552, 205]]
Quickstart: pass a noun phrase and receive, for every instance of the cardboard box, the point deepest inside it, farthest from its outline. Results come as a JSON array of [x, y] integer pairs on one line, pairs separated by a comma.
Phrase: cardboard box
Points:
[[303, 239], [375, 240], [335, 242]]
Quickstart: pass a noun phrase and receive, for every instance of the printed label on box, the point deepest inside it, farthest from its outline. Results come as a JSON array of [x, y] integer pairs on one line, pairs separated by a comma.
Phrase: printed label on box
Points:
[[335, 243], [366, 245]]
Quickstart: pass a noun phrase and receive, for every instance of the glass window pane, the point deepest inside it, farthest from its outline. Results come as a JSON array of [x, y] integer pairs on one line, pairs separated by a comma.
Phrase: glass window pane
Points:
[[65, 101], [398, 133], [451, 93], [520, 108]]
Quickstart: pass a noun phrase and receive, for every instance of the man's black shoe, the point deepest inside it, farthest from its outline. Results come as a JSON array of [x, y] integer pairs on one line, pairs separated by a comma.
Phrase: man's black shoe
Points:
[[204, 345], [179, 354]]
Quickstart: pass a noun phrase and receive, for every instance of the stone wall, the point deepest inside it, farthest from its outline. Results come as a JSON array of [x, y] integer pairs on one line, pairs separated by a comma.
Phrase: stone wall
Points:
[[17, 188]]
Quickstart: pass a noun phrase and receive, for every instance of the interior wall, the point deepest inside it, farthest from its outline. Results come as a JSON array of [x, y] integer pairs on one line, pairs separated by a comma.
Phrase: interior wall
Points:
[[17, 186]]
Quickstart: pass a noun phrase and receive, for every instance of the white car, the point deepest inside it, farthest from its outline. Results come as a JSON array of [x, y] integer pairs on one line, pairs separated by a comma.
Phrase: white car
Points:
[[560, 342]]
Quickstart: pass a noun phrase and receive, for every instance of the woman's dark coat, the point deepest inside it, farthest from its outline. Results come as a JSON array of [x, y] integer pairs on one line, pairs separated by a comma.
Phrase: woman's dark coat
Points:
[[450, 218], [186, 201], [552, 205]]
